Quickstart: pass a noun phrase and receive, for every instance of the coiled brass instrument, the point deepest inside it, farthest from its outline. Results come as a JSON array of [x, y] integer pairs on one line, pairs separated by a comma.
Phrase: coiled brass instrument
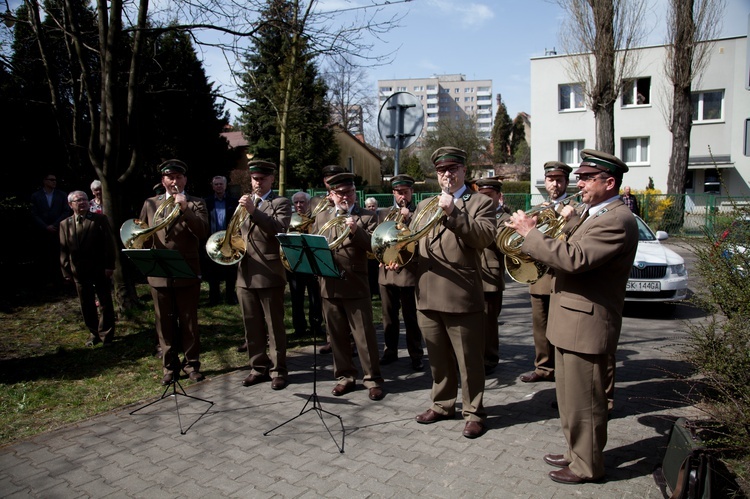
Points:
[[520, 267], [393, 242], [301, 223], [134, 232], [339, 221], [227, 247]]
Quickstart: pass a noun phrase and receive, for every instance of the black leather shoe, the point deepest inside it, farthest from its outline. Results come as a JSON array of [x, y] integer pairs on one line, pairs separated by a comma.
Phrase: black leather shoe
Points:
[[388, 358], [473, 429], [376, 393], [417, 365], [342, 389], [279, 383], [429, 416], [93, 340], [242, 348], [254, 379], [533, 377], [557, 460], [196, 376]]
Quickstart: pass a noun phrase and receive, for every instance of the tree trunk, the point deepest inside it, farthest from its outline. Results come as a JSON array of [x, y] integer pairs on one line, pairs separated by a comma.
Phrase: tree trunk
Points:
[[606, 90]]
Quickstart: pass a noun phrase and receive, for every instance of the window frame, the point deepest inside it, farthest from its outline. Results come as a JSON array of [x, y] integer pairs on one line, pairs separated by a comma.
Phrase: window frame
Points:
[[579, 145], [639, 149], [635, 86], [701, 109], [572, 94]]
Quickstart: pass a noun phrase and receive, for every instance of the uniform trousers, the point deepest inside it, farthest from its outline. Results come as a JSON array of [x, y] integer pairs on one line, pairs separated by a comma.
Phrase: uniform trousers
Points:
[[580, 383], [176, 310], [298, 283], [355, 315], [544, 359], [102, 325], [455, 339], [493, 304], [263, 317], [394, 298]]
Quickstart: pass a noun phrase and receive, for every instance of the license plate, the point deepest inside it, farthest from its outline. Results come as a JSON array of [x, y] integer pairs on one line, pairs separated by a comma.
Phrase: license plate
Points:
[[654, 286]]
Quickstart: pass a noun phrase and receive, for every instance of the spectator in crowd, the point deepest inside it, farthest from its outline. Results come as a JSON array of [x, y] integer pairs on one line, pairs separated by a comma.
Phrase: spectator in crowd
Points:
[[49, 207], [630, 200], [96, 205], [220, 206], [87, 257]]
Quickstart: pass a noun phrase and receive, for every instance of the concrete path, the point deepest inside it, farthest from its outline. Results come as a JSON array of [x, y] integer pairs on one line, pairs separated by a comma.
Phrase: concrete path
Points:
[[224, 452]]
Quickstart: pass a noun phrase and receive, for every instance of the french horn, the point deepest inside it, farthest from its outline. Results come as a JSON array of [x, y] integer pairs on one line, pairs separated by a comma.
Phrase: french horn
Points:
[[393, 242], [227, 247], [521, 267], [301, 223], [134, 233]]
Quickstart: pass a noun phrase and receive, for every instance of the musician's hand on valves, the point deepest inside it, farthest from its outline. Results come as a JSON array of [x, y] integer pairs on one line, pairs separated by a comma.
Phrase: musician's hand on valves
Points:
[[567, 212], [181, 200], [405, 214], [390, 266], [352, 224], [247, 201], [446, 202], [521, 222]]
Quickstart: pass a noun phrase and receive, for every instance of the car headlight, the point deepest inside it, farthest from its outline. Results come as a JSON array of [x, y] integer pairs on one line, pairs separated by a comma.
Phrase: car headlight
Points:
[[678, 270]]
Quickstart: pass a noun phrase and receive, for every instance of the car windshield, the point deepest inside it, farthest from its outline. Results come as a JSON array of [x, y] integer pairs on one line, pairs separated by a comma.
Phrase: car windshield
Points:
[[644, 233]]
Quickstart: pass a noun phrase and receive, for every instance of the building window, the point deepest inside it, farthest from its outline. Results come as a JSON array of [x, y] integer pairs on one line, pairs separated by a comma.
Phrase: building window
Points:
[[350, 164], [386, 89], [458, 99], [431, 87], [445, 90], [570, 151], [708, 106], [636, 92], [711, 182], [401, 89], [431, 106], [571, 97], [635, 151]]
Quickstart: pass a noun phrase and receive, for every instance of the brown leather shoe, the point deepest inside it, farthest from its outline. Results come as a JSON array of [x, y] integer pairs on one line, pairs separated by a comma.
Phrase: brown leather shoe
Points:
[[473, 429], [564, 475], [242, 348], [342, 389], [533, 377], [325, 349], [254, 379], [279, 383], [168, 379], [376, 393], [196, 376], [556, 460], [429, 416]]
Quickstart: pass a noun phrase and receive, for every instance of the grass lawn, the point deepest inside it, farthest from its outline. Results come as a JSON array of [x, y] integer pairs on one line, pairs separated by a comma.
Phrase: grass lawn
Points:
[[48, 378]]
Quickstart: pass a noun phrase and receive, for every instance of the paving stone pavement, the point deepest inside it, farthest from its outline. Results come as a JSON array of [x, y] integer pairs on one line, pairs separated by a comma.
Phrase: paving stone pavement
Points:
[[226, 451]]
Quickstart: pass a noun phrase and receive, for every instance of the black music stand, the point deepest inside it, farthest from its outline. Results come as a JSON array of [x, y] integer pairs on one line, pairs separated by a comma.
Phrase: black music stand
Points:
[[310, 254], [171, 265]]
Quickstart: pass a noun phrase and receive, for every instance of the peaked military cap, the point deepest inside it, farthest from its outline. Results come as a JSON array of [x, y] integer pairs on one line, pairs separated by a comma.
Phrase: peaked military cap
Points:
[[556, 168], [329, 170], [406, 180], [260, 166], [341, 179], [593, 161], [489, 183], [172, 166], [448, 156]]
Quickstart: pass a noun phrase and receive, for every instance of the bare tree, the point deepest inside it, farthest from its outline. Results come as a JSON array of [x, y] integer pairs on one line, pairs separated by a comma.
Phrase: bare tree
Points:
[[601, 34], [691, 24], [351, 100], [463, 134]]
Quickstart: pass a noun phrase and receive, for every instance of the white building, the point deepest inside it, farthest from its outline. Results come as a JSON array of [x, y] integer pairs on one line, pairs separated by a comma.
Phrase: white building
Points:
[[446, 97], [563, 126]]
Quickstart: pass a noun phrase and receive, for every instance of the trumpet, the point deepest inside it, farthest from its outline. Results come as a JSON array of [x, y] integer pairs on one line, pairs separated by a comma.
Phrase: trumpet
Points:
[[227, 247], [520, 267], [393, 242], [134, 233]]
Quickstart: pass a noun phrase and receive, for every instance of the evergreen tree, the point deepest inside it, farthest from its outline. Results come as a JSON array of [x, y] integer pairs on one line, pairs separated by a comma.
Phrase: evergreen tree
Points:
[[501, 148], [279, 58], [519, 148]]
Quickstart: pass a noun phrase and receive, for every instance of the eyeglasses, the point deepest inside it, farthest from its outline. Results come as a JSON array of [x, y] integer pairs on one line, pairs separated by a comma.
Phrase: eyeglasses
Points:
[[80, 200], [452, 170], [590, 178]]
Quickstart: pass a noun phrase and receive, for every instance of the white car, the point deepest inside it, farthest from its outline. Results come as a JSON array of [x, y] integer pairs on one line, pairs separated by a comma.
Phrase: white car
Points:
[[658, 274]]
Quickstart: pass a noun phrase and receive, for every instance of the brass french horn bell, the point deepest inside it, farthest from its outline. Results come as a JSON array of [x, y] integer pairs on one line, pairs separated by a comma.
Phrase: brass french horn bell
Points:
[[521, 267], [134, 233], [227, 247], [393, 242]]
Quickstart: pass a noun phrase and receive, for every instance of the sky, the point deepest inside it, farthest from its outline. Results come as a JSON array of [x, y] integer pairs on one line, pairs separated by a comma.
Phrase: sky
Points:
[[490, 39]]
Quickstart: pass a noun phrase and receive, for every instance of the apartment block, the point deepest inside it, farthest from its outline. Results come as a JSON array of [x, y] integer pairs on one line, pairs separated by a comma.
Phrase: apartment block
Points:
[[446, 97]]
